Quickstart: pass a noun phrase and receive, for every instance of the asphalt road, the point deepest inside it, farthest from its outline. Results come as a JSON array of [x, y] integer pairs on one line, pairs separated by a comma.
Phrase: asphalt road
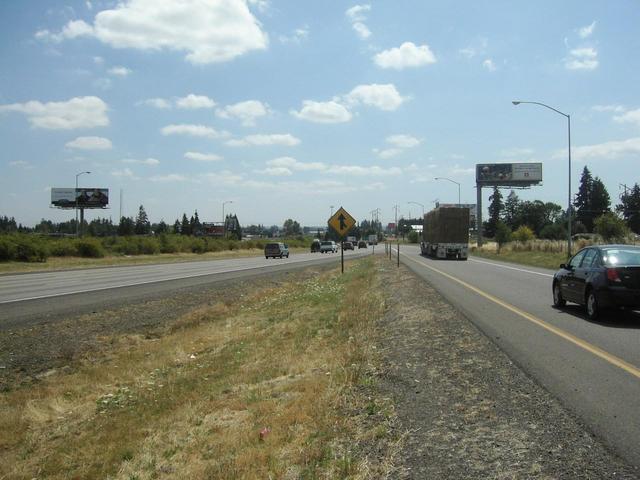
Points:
[[34, 297], [592, 367]]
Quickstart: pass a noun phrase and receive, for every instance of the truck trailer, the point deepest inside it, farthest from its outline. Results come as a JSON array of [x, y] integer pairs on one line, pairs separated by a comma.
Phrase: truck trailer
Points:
[[446, 233]]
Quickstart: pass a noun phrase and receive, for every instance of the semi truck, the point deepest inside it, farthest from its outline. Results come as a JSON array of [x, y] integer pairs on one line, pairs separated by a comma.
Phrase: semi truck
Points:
[[445, 233], [373, 239]]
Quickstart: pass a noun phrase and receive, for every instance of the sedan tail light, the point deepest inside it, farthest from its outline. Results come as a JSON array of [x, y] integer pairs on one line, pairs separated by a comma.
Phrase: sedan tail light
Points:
[[613, 276]]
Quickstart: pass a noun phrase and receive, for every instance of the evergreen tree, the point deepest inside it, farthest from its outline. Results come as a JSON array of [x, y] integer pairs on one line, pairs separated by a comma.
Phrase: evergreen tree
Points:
[[592, 199], [630, 207], [495, 209], [185, 227], [197, 226], [143, 226], [511, 210], [161, 228], [176, 226], [126, 227]]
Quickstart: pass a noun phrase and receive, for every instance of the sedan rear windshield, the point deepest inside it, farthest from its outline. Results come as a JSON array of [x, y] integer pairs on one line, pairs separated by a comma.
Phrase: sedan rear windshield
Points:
[[621, 257], [327, 243]]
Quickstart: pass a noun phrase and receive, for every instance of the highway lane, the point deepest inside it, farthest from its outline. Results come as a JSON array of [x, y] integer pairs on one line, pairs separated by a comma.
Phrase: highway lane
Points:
[[592, 367], [33, 286]]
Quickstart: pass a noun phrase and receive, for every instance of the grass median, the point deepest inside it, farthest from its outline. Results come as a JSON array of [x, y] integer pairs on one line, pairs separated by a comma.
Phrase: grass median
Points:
[[247, 390]]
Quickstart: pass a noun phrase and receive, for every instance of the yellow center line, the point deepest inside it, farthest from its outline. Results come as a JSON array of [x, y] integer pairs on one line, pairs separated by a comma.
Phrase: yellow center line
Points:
[[606, 356]]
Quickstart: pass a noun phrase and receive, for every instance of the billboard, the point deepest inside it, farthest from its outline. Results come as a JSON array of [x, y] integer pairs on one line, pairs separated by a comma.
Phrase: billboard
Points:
[[508, 174], [80, 197], [213, 229]]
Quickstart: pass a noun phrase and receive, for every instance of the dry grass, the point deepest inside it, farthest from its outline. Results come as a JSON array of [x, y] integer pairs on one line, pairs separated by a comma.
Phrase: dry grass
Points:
[[230, 391]]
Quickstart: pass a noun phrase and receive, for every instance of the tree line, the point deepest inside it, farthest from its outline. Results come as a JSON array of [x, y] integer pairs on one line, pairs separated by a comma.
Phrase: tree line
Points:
[[591, 213]]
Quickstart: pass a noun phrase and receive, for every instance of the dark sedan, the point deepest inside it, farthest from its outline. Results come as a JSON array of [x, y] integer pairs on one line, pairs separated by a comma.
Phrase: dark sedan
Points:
[[600, 277]]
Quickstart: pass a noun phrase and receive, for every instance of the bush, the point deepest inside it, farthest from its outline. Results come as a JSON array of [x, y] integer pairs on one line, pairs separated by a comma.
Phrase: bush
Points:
[[610, 227], [523, 234], [7, 250], [90, 248], [63, 248], [553, 231], [503, 234], [167, 244], [413, 236], [30, 249]]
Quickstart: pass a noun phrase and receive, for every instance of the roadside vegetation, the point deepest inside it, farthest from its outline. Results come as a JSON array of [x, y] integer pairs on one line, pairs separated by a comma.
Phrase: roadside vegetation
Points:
[[256, 389]]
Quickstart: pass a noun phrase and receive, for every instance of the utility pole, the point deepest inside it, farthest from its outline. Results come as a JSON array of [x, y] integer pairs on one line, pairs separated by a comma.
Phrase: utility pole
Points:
[[395, 207]]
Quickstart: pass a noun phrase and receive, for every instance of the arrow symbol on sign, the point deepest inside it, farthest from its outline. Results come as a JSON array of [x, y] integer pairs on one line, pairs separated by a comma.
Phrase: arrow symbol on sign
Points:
[[342, 219]]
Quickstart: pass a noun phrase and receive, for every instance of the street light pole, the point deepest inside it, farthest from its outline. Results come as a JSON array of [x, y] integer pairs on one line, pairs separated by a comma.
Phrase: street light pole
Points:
[[75, 193], [568, 117], [452, 181], [417, 203]]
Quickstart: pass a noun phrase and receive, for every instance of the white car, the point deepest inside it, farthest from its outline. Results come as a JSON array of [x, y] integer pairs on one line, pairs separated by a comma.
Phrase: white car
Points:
[[328, 247]]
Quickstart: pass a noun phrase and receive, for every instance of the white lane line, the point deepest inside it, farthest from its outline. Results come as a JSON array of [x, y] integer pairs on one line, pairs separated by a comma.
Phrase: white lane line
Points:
[[181, 277], [511, 268]]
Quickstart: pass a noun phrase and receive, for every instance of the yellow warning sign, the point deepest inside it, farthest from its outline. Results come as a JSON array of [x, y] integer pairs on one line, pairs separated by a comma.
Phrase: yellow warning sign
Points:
[[342, 222]]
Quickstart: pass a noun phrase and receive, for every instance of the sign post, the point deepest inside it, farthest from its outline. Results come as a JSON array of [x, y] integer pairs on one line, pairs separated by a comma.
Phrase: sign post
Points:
[[341, 222]]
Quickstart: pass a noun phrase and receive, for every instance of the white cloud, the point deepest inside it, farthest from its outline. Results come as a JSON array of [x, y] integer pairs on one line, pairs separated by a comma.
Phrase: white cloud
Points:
[[585, 32], [478, 47], [357, 12], [357, 16], [152, 162], [585, 58], [608, 108], [79, 112], [73, 29], [605, 151], [90, 143], [384, 97], [21, 164], [98, 60], [202, 157], [358, 170], [208, 30], [293, 164], [124, 173], [159, 103], [193, 131], [323, 112], [276, 171], [405, 56], [458, 170], [387, 153], [400, 142], [403, 141], [489, 65], [632, 116], [193, 102], [171, 177], [362, 30], [247, 112], [298, 35], [286, 139], [119, 71]]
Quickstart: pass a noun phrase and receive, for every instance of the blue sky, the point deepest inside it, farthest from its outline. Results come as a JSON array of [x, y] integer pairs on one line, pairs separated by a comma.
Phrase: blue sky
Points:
[[286, 108]]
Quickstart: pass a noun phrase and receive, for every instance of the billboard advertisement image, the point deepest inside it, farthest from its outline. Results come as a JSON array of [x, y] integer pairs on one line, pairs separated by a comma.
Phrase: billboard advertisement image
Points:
[[81, 197], [509, 174]]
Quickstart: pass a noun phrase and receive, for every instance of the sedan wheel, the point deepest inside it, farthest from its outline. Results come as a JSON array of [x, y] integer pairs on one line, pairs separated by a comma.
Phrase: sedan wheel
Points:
[[558, 299], [593, 310]]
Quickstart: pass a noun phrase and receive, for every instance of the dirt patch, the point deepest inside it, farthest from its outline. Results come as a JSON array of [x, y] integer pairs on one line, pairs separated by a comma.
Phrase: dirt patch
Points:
[[462, 409]]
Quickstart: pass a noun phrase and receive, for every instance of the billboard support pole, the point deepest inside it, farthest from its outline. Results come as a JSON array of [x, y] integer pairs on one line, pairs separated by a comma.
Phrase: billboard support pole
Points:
[[81, 220], [479, 213]]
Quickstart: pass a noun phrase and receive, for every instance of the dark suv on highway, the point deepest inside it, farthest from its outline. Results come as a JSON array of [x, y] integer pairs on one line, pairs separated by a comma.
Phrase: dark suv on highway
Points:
[[276, 250]]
